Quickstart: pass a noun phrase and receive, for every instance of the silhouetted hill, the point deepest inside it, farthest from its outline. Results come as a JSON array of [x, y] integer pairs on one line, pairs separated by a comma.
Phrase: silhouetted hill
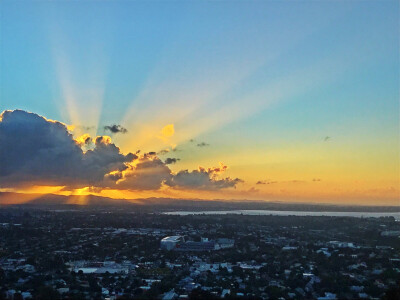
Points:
[[169, 204]]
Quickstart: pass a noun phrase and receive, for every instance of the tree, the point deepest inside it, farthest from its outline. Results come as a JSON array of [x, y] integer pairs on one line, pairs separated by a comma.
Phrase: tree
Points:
[[198, 294], [48, 293], [392, 293]]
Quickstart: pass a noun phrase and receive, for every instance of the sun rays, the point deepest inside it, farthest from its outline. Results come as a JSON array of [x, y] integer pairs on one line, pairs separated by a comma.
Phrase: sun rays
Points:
[[196, 97]]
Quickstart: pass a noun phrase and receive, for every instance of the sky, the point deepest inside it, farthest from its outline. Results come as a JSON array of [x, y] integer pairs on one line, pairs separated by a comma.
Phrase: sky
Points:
[[257, 100]]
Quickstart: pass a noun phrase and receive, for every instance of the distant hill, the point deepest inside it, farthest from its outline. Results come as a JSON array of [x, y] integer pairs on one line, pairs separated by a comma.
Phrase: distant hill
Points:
[[52, 201], [9, 198]]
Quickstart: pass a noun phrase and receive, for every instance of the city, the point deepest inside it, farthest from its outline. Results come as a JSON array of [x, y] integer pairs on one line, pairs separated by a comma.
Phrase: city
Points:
[[111, 254]]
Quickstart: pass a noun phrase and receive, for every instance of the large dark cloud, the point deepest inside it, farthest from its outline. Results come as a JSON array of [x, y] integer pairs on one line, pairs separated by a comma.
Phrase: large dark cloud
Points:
[[37, 151], [115, 129]]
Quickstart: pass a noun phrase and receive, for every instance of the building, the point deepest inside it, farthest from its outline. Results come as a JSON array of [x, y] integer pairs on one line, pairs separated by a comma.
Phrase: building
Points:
[[337, 244], [390, 233], [171, 242], [196, 246], [225, 243], [178, 243], [328, 296]]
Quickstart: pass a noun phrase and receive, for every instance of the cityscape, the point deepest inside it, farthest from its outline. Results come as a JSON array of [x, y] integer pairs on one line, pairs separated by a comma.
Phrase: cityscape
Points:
[[116, 254]]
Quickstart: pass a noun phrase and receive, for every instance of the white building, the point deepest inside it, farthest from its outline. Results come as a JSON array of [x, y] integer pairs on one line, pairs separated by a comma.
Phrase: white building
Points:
[[170, 242]]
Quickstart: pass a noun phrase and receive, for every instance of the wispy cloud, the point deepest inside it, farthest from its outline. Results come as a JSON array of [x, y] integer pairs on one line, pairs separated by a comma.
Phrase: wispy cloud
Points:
[[203, 144]]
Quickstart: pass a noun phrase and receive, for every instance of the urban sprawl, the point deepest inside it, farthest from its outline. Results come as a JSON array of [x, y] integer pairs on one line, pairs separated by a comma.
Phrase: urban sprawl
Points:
[[114, 254]]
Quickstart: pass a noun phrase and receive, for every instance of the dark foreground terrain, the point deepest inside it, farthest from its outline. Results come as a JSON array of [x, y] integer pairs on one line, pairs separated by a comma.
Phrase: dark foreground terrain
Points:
[[108, 254]]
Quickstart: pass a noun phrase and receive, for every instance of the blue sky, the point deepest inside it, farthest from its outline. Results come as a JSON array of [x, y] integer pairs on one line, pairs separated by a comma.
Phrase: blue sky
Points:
[[123, 45]]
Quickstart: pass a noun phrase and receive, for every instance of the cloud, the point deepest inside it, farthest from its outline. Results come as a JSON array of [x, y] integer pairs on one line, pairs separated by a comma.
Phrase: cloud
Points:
[[163, 151], [296, 181], [115, 128], [84, 140], [170, 161], [35, 150], [150, 173], [38, 151], [203, 144], [200, 179], [253, 190], [103, 140], [266, 182], [150, 154], [206, 179]]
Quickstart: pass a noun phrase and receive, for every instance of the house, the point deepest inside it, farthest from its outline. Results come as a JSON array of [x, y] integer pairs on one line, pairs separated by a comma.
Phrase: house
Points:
[[328, 296], [170, 295]]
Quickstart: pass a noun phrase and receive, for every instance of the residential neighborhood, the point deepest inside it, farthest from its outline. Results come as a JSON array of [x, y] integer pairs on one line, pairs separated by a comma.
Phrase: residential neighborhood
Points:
[[96, 254]]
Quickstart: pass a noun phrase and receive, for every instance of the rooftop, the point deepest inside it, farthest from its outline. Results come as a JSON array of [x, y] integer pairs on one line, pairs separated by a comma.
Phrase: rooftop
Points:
[[174, 238]]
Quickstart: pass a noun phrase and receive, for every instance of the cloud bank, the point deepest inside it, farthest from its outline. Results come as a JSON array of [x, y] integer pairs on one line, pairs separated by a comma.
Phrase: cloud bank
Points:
[[38, 151]]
